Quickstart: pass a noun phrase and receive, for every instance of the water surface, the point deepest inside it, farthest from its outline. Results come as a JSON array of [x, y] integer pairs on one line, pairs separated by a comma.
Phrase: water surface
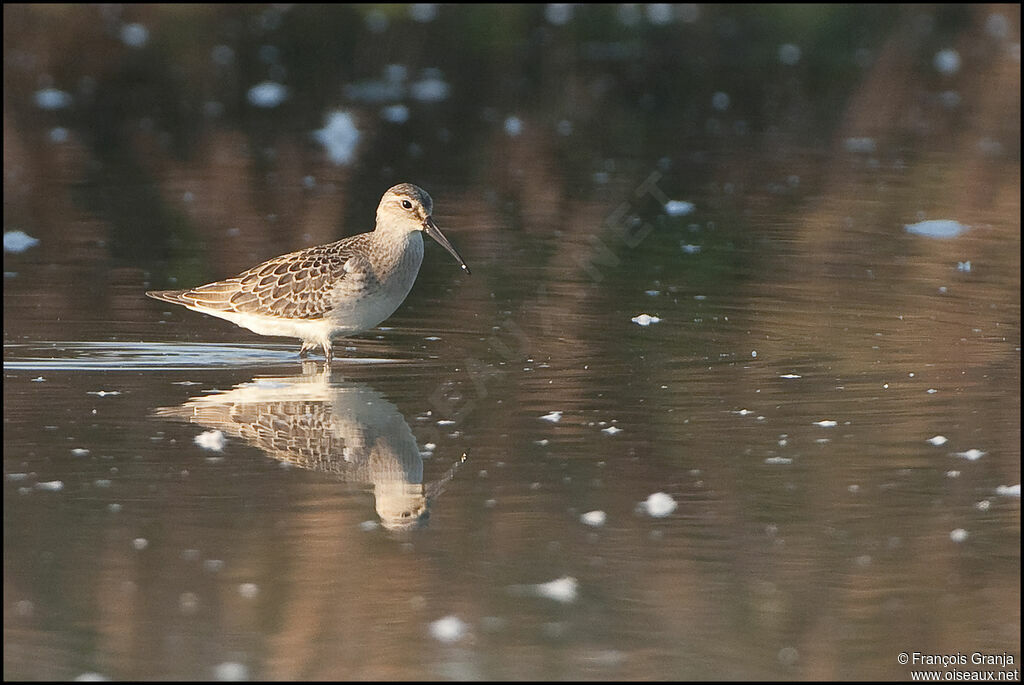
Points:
[[825, 400]]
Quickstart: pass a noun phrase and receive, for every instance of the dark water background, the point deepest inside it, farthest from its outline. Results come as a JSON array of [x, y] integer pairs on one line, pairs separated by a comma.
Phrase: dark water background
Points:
[[810, 349]]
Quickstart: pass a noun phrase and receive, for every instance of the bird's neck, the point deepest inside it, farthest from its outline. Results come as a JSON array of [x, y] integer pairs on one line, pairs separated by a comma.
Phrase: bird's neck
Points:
[[399, 246]]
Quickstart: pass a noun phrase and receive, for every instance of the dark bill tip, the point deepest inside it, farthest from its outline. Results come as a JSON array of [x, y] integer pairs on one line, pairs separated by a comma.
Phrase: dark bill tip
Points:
[[431, 229]]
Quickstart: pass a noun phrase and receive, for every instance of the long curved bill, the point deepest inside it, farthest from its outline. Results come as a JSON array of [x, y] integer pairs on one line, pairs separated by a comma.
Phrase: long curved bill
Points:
[[431, 229]]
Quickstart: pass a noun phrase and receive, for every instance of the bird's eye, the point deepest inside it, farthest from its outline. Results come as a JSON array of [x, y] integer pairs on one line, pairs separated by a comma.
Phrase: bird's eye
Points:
[[406, 204]]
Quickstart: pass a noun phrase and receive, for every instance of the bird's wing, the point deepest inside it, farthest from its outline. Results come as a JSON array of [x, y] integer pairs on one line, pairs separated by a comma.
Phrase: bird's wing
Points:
[[295, 286]]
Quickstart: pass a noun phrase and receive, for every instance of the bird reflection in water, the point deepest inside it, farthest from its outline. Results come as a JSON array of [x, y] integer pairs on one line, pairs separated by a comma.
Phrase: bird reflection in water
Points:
[[341, 428]]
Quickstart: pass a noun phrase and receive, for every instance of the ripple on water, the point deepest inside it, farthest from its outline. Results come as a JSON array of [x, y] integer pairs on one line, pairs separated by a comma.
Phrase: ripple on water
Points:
[[127, 356]]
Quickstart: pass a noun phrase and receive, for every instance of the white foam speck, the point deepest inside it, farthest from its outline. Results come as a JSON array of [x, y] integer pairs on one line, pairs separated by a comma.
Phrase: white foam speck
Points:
[[248, 590], [558, 13], [50, 485], [938, 440], [645, 319], [679, 207], [367, 526], [52, 98], [1009, 490], [561, 590], [778, 460], [79, 451], [611, 430], [396, 114], [689, 248], [230, 671], [448, 629], [972, 454], [91, 677], [659, 505], [789, 54], [18, 241], [947, 61], [134, 35], [339, 136], [789, 376], [594, 518], [222, 55], [104, 393], [423, 11], [826, 423], [140, 543], [513, 126], [377, 21], [553, 417], [937, 228], [660, 13], [958, 535], [268, 94], [212, 440], [431, 88], [860, 144], [446, 422]]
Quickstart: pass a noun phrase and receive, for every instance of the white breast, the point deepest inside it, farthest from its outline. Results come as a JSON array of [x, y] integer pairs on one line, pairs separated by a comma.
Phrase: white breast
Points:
[[364, 300]]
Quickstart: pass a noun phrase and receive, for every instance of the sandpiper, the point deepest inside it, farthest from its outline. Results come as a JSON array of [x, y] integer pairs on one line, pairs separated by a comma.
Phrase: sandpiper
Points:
[[331, 290]]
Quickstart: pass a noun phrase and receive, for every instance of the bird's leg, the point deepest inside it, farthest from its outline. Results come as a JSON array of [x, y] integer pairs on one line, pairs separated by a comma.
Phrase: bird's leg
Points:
[[306, 347], [327, 352]]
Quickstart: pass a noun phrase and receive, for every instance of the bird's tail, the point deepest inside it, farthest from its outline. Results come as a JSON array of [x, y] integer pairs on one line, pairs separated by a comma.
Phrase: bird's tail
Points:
[[173, 296]]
